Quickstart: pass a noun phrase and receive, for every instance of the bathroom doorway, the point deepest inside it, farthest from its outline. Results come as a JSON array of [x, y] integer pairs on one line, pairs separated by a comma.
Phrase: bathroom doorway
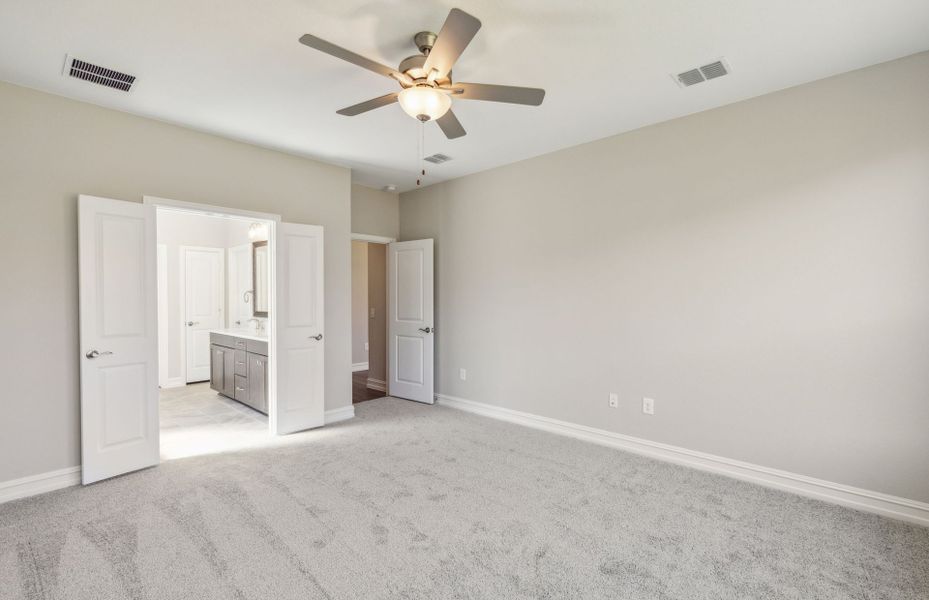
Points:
[[213, 322]]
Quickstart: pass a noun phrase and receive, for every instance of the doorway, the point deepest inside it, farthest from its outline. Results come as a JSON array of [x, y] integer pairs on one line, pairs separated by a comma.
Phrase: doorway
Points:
[[213, 295], [120, 304], [369, 318]]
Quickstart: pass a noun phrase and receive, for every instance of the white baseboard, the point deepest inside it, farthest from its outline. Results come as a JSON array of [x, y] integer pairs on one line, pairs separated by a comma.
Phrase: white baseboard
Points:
[[377, 384], [895, 507], [359, 367], [39, 484], [173, 382], [340, 414]]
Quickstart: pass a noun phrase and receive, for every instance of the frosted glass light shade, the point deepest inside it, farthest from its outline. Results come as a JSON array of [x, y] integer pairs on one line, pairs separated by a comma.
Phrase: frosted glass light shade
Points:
[[423, 100]]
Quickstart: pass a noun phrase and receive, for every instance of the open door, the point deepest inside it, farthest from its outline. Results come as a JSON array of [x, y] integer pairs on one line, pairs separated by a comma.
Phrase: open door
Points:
[[299, 347], [410, 322], [119, 341]]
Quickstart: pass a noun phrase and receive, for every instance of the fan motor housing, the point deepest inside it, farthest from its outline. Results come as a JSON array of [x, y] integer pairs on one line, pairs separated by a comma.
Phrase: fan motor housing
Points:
[[413, 66]]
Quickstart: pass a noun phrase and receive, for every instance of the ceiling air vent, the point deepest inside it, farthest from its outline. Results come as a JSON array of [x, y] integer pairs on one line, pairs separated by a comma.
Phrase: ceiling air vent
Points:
[[81, 69], [437, 159], [700, 74]]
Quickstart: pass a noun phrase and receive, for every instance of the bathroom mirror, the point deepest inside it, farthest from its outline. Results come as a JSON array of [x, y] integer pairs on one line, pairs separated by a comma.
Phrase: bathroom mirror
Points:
[[260, 268]]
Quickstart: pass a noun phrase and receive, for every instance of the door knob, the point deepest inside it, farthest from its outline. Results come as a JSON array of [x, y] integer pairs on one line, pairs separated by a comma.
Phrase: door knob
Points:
[[316, 337], [426, 329], [96, 353], [192, 323]]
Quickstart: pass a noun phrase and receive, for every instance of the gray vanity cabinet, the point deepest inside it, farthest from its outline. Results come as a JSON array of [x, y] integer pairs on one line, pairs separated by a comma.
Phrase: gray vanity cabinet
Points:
[[239, 369], [258, 382], [222, 367]]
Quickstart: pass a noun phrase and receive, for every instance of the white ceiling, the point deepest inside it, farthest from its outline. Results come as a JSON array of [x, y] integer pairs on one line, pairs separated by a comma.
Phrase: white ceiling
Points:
[[235, 68]]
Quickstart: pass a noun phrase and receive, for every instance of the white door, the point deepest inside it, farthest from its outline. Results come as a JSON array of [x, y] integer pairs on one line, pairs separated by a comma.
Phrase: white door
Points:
[[299, 347], [204, 298], [240, 286], [119, 341], [410, 324]]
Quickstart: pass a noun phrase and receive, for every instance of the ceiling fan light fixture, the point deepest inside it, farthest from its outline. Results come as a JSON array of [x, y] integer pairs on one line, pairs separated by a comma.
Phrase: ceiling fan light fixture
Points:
[[424, 103]]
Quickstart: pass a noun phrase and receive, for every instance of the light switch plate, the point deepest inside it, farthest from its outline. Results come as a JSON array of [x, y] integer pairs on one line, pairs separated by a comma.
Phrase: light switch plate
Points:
[[462, 374], [614, 400]]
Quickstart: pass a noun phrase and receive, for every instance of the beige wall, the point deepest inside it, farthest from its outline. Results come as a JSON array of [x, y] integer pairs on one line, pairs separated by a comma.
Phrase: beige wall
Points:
[[375, 212], [51, 150], [377, 301], [760, 270], [359, 302]]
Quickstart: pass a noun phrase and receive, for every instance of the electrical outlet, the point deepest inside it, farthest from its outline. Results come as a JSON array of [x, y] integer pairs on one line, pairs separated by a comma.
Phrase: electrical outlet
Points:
[[648, 406], [372, 313], [614, 400], [366, 346], [462, 374]]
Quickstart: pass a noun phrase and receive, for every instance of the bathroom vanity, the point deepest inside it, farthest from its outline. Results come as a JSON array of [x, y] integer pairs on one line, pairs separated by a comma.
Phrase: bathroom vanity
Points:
[[239, 366]]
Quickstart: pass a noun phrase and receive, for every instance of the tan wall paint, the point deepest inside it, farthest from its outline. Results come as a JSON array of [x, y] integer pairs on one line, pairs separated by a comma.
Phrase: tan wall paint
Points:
[[359, 301], [51, 150], [377, 300], [375, 212], [761, 270]]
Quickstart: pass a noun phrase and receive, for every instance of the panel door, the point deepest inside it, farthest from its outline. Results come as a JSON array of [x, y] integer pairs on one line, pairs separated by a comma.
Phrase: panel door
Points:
[[410, 325], [119, 340], [299, 347], [204, 291]]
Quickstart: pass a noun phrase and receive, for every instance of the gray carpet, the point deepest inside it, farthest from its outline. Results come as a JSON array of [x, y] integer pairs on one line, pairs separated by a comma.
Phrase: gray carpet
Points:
[[410, 501]]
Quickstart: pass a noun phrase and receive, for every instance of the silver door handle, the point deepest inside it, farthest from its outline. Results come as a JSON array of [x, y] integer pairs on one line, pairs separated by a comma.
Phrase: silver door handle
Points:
[[192, 323], [96, 353], [316, 337], [426, 329]]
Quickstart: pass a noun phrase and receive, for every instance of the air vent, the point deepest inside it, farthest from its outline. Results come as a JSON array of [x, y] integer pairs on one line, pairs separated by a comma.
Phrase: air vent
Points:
[[81, 69], [437, 159], [701, 74]]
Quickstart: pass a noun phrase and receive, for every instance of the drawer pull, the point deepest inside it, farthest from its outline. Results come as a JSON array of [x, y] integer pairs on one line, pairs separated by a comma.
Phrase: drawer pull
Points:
[[238, 389], [239, 362]]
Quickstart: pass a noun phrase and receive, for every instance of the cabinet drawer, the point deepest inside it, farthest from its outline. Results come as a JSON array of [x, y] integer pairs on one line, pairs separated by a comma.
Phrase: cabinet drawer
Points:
[[241, 388], [241, 367], [257, 347], [222, 340]]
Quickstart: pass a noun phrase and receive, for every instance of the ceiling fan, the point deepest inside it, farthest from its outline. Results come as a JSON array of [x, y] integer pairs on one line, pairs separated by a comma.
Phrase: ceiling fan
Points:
[[426, 78]]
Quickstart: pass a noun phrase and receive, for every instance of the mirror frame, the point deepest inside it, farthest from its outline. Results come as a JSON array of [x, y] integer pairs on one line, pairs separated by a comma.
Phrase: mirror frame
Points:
[[256, 313]]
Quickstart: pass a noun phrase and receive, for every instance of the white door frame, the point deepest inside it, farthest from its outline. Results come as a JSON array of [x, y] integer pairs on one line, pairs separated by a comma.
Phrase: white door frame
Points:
[[274, 221]]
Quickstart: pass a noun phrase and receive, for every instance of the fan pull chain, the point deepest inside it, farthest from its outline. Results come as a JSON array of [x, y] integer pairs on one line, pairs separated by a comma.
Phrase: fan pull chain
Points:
[[422, 152]]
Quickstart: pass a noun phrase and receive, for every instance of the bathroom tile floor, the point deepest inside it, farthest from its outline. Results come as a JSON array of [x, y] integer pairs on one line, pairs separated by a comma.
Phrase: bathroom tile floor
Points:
[[196, 420]]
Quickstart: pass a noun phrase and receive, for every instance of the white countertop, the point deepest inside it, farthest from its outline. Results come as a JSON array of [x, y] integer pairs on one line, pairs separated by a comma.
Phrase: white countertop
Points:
[[260, 336]]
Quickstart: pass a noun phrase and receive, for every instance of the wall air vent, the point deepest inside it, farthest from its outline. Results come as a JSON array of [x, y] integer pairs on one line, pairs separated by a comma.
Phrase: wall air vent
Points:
[[700, 74], [437, 159], [75, 67]]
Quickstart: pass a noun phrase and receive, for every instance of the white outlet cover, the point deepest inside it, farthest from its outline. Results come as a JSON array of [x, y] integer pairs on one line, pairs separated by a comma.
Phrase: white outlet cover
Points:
[[614, 400], [463, 374], [648, 406]]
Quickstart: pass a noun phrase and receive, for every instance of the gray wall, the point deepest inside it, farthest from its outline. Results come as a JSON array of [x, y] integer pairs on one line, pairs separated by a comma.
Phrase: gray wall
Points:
[[51, 150], [375, 212], [761, 270]]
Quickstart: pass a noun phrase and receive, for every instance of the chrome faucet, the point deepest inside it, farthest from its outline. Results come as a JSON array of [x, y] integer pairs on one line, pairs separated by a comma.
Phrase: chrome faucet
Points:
[[257, 323]]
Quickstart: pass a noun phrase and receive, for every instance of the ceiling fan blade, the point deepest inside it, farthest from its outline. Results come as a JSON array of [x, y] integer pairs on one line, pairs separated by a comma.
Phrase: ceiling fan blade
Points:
[[498, 93], [457, 32], [450, 125], [347, 55], [367, 105]]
